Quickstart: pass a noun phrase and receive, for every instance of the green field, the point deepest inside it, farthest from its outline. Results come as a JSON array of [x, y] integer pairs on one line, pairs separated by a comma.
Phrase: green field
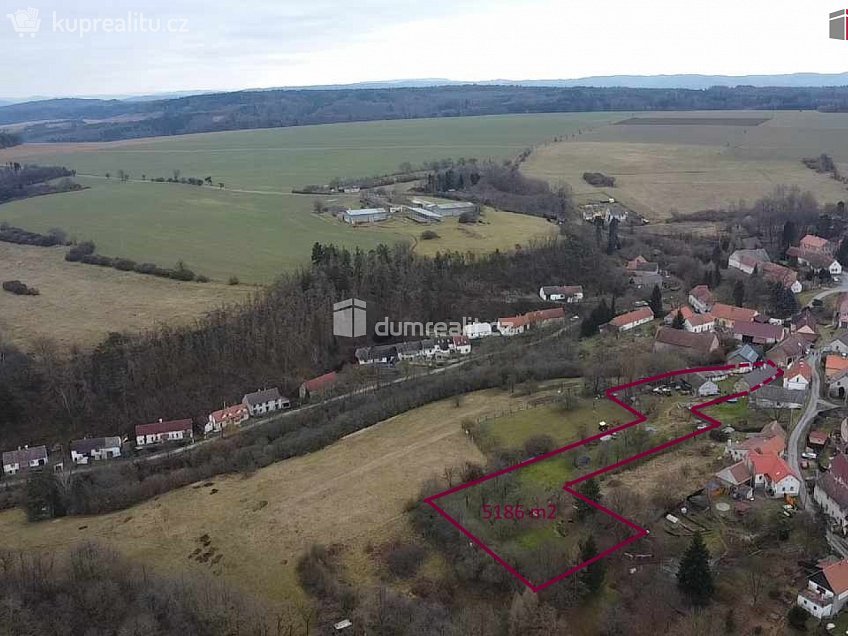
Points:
[[255, 228]]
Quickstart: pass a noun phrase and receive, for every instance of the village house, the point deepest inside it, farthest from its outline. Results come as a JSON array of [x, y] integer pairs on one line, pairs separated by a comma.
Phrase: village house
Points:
[[757, 332], [24, 459], [95, 449], [699, 323], [842, 311], [568, 293], [826, 591], [777, 397], [831, 492], [161, 432], [816, 261], [818, 439], [813, 243], [755, 378], [734, 476], [747, 261], [265, 401], [798, 376], [315, 386], [692, 345], [792, 348], [728, 315], [228, 416], [460, 344], [804, 324], [513, 325], [772, 473], [701, 299], [839, 345], [630, 320], [836, 375], [685, 312], [775, 273], [703, 385], [379, 354], [635, 263], [770, 440], [545, 317], [746, 354], [476, 330]]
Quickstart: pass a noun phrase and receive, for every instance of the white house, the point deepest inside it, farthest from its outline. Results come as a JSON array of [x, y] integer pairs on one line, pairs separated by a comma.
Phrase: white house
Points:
[[839, 345], [265, 401], [701, 299], [747, 261], [631, 320], [160, 432], [477, 330], [798, 376], [513, 325], [703, 385], [773, 474], [699, 323], [231, 415], [567, 293], [24, 459], [826, 591], [96, 449]]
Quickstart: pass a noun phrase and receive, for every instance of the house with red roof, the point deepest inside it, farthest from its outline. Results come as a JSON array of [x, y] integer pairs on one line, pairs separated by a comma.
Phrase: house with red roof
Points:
[[813, 243], [826, 591], [771, 439], [772, 473], [728, 315], [684, 310], [792, 348], [161, 432], [630, 320], [228, 416], [317, 385], [775, 273], [798, 376]]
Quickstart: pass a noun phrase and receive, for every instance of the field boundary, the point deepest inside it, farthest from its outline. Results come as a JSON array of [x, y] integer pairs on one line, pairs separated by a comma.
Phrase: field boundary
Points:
[[568, 487]]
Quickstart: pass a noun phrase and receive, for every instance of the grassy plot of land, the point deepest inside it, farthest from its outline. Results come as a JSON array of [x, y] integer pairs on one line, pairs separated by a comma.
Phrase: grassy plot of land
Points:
[[80, 304], [663, 168], [221, 233], [277, 159]]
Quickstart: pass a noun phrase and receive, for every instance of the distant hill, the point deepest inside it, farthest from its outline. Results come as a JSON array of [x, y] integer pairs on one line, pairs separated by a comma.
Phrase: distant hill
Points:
[[78, 119]]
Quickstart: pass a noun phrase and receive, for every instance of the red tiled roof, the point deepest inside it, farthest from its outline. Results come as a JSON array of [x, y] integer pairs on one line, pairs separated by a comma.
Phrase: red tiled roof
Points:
[[764, 445], [702, 293], [321, 382], [839, 468], [770, 465], [157, 428], [729, 312], [834, 365], [779, 274], [837, 575], [545, 314], [234, 412], [812, 241], [685, 310], [701, 342], [639, 260], [799, 367], [700, 319], [461, 341], [632, 316], [515, 321]]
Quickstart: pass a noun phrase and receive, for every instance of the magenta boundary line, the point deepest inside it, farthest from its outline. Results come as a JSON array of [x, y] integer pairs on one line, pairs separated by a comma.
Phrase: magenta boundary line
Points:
[[568, 486]]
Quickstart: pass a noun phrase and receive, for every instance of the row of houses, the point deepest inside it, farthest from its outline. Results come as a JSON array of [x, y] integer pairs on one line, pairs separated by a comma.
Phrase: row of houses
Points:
[[429, 348], [88, 450]]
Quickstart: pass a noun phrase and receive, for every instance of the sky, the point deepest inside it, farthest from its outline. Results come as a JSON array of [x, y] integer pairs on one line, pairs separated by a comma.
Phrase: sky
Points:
[[159, 46]]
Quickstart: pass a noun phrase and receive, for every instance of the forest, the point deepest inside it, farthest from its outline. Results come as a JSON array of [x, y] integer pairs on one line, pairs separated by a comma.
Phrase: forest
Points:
[[95, 119]]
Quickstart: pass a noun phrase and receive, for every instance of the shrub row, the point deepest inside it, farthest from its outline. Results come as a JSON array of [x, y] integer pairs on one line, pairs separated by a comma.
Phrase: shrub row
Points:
[[599, 179], [85, 253], [16, 235]]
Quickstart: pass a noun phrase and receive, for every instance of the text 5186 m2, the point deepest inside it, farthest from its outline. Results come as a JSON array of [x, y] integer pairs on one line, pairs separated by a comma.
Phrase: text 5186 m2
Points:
[[517, 511]]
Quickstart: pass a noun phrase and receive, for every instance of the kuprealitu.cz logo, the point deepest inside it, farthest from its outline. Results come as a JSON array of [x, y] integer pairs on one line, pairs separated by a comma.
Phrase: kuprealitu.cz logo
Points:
[[839, 25], [27, 22]]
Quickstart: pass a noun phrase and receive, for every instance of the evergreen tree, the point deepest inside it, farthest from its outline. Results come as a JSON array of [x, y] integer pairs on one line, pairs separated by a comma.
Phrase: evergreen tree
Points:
[[694, 577], [790, 235], [716, 276], [592, 576], [678, 322], [656, 301], [612, 239], [591, 491], [738, 293]]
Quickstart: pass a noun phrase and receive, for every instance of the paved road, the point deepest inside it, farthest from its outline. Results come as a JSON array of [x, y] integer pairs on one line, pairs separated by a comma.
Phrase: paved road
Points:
[[797, 437], [843, 287]]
